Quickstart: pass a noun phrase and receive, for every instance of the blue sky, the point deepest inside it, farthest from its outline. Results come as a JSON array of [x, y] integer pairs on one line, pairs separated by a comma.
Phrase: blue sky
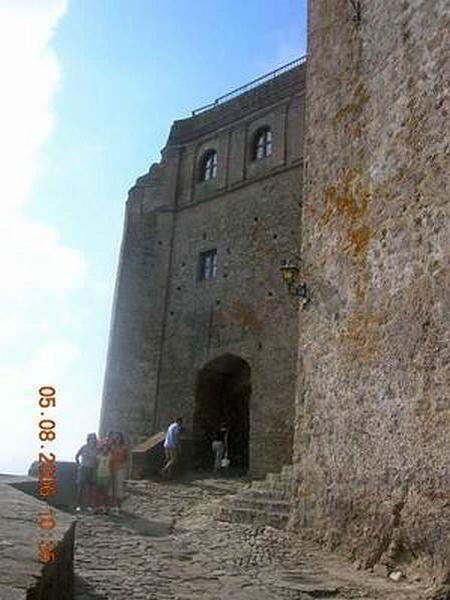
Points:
[[93, 87]]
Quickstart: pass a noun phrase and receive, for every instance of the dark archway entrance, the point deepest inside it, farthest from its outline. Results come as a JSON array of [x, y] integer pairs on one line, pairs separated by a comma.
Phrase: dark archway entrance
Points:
[[222, 394]]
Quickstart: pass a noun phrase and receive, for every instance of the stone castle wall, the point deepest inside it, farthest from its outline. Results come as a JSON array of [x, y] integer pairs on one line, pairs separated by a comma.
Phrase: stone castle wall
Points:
[[373, 399], [138, 310], [166, 323]]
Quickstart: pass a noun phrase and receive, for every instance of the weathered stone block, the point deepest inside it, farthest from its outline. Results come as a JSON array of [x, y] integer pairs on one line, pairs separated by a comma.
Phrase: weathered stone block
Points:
[[22, 575]]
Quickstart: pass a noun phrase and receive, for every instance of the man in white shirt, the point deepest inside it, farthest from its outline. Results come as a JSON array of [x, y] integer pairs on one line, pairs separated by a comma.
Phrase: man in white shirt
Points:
[[171, 447]]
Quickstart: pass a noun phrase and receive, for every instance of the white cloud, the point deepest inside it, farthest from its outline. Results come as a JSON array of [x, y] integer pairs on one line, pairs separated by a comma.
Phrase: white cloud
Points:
[[33, 258], [38, 271], [30, 75]]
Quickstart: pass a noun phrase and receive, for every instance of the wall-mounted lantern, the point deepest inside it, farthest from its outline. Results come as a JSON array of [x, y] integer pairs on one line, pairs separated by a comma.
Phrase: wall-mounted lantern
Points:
[[290, 274]]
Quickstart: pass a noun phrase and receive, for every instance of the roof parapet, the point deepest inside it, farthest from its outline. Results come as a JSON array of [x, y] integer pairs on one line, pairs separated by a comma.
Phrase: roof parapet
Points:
[[248, 86]]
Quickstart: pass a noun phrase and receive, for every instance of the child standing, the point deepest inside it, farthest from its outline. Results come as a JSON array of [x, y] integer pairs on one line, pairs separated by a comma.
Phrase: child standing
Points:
[[103, 478], [119, 467]]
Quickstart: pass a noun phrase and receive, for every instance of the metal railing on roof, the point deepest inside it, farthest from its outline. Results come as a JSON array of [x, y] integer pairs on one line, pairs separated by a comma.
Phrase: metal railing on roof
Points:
[[248, 86]]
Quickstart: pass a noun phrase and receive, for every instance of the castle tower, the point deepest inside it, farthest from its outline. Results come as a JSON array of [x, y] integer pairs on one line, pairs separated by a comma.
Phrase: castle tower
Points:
[[202, 326]]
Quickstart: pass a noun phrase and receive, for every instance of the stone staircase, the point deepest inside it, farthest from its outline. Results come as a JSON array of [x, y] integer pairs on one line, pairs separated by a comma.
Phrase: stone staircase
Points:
[[263, 502]]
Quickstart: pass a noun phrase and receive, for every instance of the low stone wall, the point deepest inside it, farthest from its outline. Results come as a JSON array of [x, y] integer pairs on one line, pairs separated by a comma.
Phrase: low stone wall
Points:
[[22, 575], [148, 459], [66, 488]]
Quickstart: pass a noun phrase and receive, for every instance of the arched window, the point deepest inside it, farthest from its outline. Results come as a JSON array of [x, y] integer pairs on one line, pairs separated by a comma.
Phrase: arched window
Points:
[[262, 144], [208, 166]]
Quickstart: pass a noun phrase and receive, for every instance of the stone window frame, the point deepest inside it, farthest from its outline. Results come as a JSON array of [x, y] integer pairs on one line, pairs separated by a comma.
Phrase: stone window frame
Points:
[[262, 143], [207, 265], [208, 165]]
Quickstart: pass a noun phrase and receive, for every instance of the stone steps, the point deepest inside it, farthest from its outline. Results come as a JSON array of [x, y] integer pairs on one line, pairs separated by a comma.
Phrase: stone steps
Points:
[[281, 491], [265, 502], [250, 515]]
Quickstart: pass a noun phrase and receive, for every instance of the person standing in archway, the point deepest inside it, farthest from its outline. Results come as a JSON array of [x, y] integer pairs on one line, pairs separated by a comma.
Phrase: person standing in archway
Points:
[[220, 446], [172, 447]]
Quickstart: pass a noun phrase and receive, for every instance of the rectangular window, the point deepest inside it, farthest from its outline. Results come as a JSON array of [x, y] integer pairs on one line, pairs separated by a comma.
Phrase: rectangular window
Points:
[[208, 264]]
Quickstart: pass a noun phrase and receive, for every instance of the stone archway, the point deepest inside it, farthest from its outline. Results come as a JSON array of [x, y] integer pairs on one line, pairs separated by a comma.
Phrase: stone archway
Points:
[[222, 394]]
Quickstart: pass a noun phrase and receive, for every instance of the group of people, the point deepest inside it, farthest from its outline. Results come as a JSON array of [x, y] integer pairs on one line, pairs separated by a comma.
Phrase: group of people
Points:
[[102, 470], [103, 465], [220, 448]]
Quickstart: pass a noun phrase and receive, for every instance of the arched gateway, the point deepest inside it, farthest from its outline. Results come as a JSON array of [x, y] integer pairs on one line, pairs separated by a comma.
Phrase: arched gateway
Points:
[[222, 395]]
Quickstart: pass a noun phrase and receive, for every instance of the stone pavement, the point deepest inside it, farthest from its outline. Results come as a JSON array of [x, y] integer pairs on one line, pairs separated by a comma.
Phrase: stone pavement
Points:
[[167, 546]]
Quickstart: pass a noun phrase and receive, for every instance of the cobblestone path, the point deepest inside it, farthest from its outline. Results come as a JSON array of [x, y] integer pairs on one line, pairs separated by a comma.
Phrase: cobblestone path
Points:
[[166, 546]]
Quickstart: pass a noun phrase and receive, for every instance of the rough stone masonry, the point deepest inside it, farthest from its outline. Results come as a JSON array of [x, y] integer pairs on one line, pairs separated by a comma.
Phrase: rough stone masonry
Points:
[[372, 443]]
